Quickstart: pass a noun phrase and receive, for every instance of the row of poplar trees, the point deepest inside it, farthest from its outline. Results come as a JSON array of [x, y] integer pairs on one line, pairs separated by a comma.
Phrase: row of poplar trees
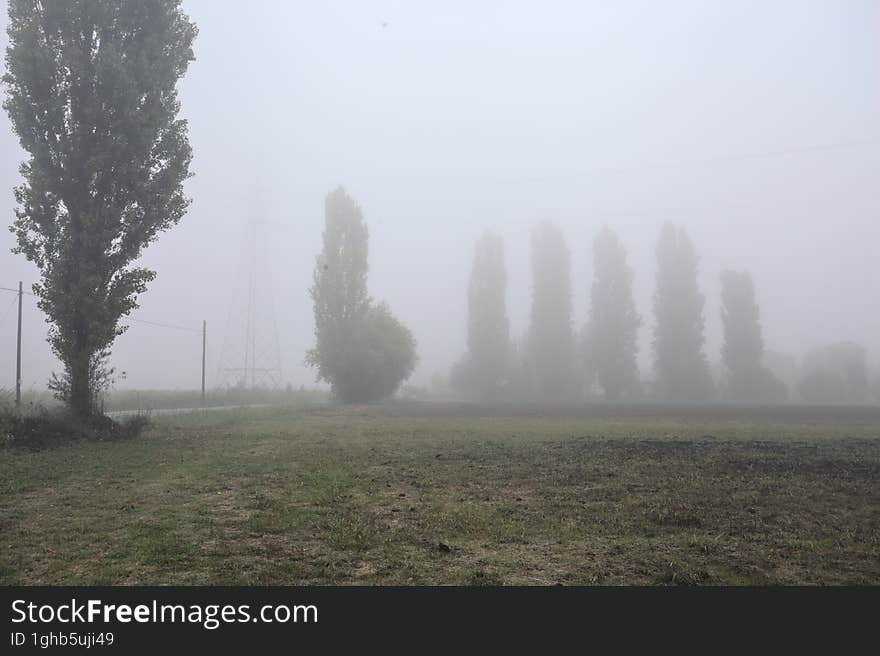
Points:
[[551, 362], [91, 93]]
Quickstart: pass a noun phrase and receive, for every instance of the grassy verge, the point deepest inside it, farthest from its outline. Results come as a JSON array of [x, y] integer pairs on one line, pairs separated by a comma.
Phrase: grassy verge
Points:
[[146, 400]]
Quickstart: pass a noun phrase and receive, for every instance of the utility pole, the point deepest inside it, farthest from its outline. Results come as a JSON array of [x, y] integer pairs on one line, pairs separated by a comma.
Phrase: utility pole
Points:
[[204, 339], [18, 352]]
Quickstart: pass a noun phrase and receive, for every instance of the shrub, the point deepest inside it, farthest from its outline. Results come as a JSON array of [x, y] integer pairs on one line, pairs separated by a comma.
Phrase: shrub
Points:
[[378, 358], [38, 428], [823, 387]]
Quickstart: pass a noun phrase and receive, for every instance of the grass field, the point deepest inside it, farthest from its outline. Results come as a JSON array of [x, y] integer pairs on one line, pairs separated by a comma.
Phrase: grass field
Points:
[[414, 493]]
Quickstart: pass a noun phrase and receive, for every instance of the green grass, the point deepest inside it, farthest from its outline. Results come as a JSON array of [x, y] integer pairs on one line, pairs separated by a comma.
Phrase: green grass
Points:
[[147, 400], [425, 494]]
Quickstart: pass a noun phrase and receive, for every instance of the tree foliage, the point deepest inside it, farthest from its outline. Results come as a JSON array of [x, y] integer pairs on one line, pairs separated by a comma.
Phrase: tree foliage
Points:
[[362, 350], [91, 93], [550, 342], [682, 371], [784, 367], [837, 373], [484, 371], [612, 332], [747, 380]]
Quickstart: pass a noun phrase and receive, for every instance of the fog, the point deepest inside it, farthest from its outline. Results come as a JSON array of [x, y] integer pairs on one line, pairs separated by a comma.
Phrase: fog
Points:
[[754, 124]]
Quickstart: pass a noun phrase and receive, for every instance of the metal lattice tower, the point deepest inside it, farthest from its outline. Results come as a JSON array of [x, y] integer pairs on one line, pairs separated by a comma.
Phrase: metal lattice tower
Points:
[[251, 356]]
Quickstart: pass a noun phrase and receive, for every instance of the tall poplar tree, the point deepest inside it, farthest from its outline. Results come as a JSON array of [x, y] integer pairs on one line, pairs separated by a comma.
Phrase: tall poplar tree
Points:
[[681, 368], [743, 349], [550, 342], [486, 365], [612, 331], [361, 349], [91, 93]]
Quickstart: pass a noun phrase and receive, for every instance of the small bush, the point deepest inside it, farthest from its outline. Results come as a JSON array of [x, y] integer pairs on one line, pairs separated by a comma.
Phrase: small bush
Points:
[[823, 387], [134, 425], [38, 428], [371, 362]]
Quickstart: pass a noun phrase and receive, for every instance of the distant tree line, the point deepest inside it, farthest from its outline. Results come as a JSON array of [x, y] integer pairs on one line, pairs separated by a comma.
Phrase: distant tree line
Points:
[[91, 93], [552, 362]]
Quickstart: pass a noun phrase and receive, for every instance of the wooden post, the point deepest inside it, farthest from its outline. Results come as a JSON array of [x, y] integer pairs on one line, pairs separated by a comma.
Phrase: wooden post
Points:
[[18, 352], [204, 339]]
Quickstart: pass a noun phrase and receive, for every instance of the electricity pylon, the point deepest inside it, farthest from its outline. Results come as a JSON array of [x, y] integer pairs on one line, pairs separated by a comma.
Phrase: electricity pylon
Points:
[[251, 356]]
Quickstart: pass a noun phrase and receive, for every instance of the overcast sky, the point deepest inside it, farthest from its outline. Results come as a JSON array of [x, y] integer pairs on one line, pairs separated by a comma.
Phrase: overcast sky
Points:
[[446, 118]]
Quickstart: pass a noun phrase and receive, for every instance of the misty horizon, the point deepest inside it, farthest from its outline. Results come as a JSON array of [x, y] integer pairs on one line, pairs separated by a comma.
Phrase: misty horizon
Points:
[[756, 127]]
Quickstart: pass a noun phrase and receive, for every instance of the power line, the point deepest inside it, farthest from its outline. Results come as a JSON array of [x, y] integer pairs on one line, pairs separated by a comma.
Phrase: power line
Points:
[[145, 321], [717, 159], [788, 152], [165, 325], [15, 291], [9, 307]]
